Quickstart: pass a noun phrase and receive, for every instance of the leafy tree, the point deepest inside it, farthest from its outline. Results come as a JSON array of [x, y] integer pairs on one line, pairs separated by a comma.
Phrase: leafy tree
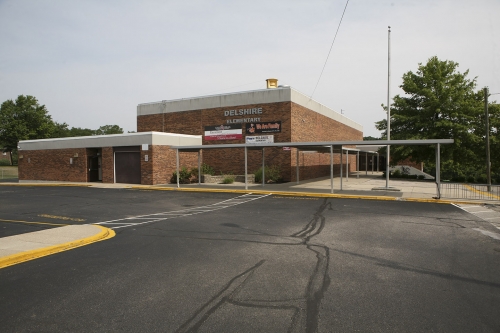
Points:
[[109, 129], [494, 111], [370, 138], [78, 131], [439, 103], [60, 130], [23, 119]]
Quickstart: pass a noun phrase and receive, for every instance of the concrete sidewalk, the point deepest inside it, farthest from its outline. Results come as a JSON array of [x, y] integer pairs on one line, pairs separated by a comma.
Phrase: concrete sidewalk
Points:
[[20, 248], [369, 185]]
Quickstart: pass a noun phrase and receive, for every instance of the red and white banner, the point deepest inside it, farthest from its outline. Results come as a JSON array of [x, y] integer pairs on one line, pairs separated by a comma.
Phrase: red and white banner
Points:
[[223, 132]]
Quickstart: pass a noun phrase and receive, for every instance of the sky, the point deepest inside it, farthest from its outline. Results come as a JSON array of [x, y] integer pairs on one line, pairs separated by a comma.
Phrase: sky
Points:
[[92, 62]]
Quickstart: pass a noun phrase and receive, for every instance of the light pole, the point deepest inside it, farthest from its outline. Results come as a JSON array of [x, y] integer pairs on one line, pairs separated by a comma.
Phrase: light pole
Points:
[[388, 108]]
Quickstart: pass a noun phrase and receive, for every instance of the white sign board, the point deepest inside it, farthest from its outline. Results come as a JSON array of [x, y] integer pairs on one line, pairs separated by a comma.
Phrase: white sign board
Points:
[[260, 139]]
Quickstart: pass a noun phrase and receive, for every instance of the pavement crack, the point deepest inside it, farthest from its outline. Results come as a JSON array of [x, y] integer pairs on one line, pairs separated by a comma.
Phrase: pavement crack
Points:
[[305, 309], [231, 288]]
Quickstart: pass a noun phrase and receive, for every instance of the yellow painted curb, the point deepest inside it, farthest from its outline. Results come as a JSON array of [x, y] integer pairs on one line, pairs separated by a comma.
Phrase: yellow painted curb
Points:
[[308, 194], [45, 184], [280, 193], [105, 233], [486, 194]]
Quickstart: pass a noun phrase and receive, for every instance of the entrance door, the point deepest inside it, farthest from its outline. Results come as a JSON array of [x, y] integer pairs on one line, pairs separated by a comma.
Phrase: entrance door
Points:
[[93, 168], [128, 167]]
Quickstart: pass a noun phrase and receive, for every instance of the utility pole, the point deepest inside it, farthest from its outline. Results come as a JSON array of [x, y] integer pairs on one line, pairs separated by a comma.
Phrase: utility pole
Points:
[[388, 108], [487, 122]]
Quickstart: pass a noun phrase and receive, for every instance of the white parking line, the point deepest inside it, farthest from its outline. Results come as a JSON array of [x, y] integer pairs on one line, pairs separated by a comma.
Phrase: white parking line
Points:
[[156, 217]]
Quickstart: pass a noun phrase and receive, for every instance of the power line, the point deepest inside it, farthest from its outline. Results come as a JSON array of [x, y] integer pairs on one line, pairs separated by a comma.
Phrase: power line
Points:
[[330, 49]]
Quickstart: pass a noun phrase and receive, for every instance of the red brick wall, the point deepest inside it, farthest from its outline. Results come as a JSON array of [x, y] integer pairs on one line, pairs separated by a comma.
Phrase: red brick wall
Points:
[[225, 160], [409, 162], [310, 126], [161, 164], [299, 124], [108, 165], [53, 165], [146, 167]]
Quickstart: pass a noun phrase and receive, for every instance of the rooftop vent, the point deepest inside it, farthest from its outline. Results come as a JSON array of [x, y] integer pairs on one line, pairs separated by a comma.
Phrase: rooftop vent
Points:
[[272, 83]]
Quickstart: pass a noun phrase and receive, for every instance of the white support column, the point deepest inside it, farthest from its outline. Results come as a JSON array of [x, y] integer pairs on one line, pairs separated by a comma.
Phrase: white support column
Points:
[[341, 165], [297, 165], [366, 163], [347, 165], [357, 164], [263, 164], [373, 162], [246, 169], [177, 166], [331, 169], [199, 166]]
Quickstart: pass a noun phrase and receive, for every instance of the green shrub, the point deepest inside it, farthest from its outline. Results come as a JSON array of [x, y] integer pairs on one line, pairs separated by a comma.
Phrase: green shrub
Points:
[[272, 174], [184, 176], [207, 170], [228, 179], [4, 162], [395, 174], [421, 177], [194, 172], [481, 179], [471, 179]]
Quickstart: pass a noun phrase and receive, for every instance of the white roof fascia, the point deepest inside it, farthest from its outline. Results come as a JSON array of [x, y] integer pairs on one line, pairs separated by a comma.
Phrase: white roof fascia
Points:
[[263, 96], [113, 140]]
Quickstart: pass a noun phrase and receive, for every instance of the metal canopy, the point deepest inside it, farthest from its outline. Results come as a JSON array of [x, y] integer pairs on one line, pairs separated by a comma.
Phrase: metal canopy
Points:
[[318, 145], [323, 147]]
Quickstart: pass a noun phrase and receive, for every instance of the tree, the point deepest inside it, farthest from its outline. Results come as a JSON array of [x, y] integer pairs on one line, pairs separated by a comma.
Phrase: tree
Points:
[[78, 131], [109, 129], [439, 103], [494, 111], [23, 119]]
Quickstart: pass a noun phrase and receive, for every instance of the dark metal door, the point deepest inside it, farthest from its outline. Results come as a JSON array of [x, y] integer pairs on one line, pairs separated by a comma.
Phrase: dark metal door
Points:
[[93, 169], [128, 167]]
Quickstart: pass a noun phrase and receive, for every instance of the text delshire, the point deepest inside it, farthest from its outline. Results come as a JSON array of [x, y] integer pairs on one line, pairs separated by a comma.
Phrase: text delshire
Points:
[[242, 112]]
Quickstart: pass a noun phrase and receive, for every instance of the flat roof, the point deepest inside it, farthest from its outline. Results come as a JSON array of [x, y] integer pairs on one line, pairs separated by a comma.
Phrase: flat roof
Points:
[[262, 96], [112, 140]]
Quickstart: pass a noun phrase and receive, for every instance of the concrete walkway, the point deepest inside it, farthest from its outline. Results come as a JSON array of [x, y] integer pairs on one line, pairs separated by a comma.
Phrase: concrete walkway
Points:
[[21, 248]]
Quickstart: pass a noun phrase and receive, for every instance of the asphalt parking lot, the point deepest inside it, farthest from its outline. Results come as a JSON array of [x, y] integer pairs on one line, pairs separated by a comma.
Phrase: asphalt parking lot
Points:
[[223, 262]]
